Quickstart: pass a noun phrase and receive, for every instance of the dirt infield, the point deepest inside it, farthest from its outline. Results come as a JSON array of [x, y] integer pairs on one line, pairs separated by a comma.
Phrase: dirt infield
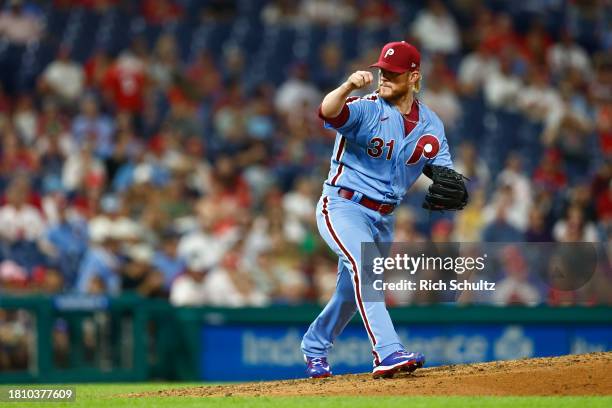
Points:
[[585, 374]]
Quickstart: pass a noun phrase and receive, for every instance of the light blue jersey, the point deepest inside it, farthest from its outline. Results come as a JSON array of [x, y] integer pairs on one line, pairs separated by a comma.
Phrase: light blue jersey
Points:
[[380, 152]]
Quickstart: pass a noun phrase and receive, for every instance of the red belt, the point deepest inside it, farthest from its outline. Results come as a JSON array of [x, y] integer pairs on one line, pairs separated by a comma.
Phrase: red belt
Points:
[[382, 208]]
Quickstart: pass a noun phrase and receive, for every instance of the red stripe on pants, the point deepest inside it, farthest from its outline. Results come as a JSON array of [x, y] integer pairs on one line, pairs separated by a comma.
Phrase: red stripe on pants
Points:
[[355, 278]]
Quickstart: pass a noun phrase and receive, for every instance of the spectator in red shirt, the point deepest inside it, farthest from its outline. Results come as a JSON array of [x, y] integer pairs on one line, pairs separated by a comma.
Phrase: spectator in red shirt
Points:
[[5, 101], [14, 156], [377, 14], [535, 43], [550, 174], [604, 205], [604, 128], [499, 35], [96, 67], [124, 83]]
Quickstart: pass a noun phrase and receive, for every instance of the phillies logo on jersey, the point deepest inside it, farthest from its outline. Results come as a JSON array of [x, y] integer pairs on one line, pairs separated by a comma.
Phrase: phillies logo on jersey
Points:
[[427, 146]]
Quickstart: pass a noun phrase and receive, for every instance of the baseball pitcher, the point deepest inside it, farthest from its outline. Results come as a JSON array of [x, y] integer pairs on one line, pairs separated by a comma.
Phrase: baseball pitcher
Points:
[[384, 141]]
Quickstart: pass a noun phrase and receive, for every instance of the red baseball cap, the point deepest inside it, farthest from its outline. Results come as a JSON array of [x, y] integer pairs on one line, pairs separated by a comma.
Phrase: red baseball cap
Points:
[[398, 57]]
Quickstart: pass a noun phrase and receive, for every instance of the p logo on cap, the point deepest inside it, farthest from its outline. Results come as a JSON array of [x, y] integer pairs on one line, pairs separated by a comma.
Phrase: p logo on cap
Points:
[[398, 57]]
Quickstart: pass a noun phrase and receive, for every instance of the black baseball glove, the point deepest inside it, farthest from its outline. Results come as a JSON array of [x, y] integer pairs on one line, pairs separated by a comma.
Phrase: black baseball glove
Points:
[[448, 190]]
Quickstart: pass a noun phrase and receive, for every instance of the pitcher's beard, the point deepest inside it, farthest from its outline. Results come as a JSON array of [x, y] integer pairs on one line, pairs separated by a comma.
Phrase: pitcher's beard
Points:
[[378, 91], [389, 95]]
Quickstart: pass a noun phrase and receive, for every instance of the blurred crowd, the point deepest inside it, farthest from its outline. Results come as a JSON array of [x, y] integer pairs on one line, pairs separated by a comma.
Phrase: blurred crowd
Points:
[[191, 171]]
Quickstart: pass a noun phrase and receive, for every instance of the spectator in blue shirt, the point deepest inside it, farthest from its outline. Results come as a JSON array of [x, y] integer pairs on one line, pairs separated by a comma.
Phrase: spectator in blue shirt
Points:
[[65, 242], [91, 126], [166, 259], [100, 262]]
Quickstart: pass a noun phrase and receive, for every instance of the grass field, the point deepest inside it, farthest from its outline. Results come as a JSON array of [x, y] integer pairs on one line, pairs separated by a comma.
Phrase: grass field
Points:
[[106, 395]]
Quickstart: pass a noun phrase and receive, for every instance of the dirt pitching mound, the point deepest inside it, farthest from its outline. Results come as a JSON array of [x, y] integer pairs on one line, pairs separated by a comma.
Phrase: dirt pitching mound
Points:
[[585, 374]]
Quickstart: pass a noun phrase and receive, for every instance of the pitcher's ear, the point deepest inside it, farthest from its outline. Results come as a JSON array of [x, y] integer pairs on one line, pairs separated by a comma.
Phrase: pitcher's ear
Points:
[[417, 85]]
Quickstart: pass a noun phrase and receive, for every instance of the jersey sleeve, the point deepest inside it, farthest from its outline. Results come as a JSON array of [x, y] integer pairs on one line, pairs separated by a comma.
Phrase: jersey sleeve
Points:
[[443, 158], [355, 112]]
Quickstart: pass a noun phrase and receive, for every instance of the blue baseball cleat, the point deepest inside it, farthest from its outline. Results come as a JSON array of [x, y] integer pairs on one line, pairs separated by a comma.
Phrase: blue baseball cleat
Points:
[[400, 361], [317, 367]]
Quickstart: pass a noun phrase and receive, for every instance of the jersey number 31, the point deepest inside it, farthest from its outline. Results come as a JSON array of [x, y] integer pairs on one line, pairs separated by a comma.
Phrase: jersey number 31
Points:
[[427, 146], [377, 147]]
